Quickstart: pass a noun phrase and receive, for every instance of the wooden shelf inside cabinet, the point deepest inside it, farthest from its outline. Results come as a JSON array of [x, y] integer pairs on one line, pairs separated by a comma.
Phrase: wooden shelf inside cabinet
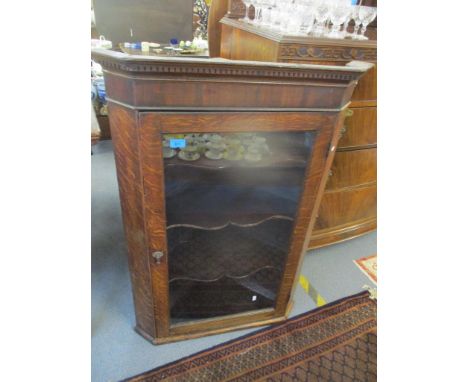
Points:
[[284, 161], [216, 245], [214, 207]]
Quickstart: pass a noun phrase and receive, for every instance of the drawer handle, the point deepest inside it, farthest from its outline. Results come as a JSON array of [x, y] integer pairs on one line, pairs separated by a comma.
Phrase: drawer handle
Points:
[[348, 113], [330, 173], [158, 255]]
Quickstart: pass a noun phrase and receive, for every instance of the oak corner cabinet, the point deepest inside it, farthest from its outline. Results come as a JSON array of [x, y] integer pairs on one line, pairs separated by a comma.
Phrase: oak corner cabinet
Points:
[[221, 166], [349, 204]]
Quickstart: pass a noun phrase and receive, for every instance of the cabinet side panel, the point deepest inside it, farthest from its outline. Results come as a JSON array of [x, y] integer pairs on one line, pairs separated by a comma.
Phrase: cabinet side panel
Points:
[[124, 135], [242, 45]]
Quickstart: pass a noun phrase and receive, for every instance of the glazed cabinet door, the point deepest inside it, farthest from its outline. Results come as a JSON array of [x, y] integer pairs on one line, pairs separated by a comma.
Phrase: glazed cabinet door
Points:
[[228, 201]]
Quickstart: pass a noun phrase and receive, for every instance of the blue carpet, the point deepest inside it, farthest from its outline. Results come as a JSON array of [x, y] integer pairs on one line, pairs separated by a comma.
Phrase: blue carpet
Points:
[[117, 351]]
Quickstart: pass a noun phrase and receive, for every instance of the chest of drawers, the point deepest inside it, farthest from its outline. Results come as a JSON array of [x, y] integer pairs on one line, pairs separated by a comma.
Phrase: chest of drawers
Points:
[[349, 205]]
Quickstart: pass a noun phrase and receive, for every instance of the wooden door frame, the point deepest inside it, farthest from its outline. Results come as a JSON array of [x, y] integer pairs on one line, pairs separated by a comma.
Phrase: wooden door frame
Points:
[[152, 125]]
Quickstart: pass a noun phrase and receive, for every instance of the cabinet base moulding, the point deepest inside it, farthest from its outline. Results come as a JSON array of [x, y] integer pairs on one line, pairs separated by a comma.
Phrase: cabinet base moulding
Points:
[[339, 234], [211, 332]]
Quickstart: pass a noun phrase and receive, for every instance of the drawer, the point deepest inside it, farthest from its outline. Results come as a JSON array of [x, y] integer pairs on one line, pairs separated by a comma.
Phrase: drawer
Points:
[[360, 129], [366, 89], [347, 206], [353, 168]]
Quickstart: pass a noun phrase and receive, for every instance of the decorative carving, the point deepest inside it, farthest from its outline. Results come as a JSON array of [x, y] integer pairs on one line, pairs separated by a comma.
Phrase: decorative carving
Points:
[[327, 53], [232, 71]]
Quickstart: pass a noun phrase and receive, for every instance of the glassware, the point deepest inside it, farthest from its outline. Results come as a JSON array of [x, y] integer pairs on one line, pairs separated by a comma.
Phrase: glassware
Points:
[[254, 154], [168, 152], [357, 21], [344, 32], [339, 12], [265, 13], [275, 15], [189, 153], [285, 16], [322, 15], [247, 4], [366, 15], [230, 222], [308, 17], [295, 21], [304, 11], [256, 5], [215, 150]]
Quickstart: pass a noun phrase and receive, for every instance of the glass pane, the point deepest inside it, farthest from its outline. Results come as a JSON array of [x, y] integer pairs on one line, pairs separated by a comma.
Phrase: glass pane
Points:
[[231, 201]]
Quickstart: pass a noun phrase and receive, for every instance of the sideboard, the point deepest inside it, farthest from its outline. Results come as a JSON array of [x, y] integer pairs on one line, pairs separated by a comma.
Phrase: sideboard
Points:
[[221, 167], [349, 205]]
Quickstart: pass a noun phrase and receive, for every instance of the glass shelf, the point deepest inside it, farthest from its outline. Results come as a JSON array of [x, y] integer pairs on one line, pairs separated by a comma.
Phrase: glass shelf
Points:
[[232, 252], [230, 222]]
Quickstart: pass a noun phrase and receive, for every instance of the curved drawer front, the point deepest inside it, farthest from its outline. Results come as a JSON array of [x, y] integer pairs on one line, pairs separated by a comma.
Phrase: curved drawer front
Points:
[[360, 129], [346, 207], [353, 168]]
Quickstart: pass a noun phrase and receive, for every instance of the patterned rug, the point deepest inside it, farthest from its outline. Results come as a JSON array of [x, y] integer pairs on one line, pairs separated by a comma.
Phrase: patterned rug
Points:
[[368, 265], [336, 342]]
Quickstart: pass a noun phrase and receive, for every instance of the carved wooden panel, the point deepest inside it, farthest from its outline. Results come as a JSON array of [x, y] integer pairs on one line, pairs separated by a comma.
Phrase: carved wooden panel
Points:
[[326, 53]]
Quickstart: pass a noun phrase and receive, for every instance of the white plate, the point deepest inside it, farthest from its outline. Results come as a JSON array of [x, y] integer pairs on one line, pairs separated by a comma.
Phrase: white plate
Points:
[[182, 156]]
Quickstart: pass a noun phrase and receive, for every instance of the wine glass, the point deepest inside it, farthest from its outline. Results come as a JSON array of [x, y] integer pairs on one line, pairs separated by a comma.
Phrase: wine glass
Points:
[[287, 10], [322, 13], [339, 12], [247, 4], [305, 13], [275, 15], [344, 32], [357, 21], [256, 4], [366, 15], [295, 20], [266, 12]]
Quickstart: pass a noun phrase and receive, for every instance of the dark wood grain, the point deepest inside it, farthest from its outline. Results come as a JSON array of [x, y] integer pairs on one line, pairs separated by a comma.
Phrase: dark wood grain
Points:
[[241, 41], [104, 126], [353, 168], [155, 216], [218, 10], [314, 186], [360, 129], [123, 124], [144, 96], [344, 206], [225, 93], [243, 121]]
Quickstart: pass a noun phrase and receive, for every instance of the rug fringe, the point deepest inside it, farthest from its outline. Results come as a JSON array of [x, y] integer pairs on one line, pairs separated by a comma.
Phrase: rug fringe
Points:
[[372, 292]]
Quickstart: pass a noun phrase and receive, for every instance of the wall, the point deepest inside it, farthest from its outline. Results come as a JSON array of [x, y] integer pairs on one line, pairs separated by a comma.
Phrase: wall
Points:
[[150, 20]]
